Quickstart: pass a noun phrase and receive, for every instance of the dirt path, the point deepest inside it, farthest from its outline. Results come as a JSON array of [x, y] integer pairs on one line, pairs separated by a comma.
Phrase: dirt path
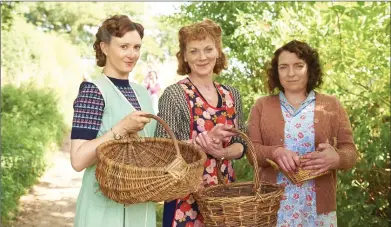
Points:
[[52, 202]]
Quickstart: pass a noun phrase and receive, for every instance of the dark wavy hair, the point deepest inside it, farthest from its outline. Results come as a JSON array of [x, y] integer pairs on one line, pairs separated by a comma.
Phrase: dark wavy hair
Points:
[[115, 26], [304, 52], [200, 31]]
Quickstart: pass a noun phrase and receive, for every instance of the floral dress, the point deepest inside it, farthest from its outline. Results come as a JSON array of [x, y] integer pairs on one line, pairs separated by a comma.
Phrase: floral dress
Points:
[[298, 206], [203, 118]]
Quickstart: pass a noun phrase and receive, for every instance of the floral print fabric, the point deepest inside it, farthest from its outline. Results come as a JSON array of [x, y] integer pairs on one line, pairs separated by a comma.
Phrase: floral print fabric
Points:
[[203, 118], [298, 206]]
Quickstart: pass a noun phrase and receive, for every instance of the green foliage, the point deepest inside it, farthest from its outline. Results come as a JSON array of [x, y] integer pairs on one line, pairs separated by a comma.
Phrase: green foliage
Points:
[[161, 41], [243, 170], [159, 215], [48, 71], [31, 123], [353, 42], [48, 60], [79, 21], [75, 18], [359, 71], [7, 9]]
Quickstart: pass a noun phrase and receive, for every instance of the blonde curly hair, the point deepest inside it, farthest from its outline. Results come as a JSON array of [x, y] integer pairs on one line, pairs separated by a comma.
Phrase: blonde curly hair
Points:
[[200, 31]]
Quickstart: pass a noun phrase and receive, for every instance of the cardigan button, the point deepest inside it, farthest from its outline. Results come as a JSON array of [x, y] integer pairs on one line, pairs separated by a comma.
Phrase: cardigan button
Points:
[[316, 121]]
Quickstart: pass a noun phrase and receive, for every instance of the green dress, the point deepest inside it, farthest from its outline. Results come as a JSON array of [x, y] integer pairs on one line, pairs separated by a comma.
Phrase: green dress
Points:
[[93, 209]]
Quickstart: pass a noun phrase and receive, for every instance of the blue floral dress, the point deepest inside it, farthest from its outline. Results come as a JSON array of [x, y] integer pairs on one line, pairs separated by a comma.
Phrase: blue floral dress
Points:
[[298, 206]]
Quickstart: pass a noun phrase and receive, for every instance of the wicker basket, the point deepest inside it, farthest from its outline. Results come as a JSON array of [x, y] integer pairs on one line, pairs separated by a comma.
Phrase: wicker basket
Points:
[[300, 176], [240, 204], [136, 170]]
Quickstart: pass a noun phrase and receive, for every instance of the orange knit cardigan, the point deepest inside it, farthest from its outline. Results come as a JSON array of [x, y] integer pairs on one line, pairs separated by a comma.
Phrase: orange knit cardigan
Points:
[[266, 130]]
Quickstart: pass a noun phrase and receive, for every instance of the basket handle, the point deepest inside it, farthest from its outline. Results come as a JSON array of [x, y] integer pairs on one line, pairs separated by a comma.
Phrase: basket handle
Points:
[[168, 130], [251, 152], [273, 164]]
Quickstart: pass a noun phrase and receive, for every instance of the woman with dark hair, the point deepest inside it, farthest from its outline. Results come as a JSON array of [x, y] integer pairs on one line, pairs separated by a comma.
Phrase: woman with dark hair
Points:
[[293, 124], [202, 111], [109, 108]]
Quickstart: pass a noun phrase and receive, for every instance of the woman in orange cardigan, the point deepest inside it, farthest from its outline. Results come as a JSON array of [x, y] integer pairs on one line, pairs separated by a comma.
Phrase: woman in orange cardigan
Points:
[[293, 124]]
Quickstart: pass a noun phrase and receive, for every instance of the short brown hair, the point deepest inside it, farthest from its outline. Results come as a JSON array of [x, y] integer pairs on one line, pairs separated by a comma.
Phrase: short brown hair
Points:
[[304, 52], [115, 26], [200, 31]]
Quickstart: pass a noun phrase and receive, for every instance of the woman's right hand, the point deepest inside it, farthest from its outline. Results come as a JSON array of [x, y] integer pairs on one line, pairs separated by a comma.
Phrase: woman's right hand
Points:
[[221, 132], [286, 159], [211, 146], [132, 123]]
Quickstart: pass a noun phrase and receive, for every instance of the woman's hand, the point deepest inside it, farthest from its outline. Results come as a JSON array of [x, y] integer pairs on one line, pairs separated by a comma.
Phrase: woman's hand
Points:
[[192, 140], [286, 159], [221, 133], [212, 146], [326, 159], [132, 123]]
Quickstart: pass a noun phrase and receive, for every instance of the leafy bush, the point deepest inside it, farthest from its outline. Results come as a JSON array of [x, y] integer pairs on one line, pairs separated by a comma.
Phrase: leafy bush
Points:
[[48, 59], [31, 123]]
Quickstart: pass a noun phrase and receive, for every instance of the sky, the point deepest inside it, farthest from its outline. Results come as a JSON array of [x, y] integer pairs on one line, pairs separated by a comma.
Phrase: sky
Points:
[[163, 8]]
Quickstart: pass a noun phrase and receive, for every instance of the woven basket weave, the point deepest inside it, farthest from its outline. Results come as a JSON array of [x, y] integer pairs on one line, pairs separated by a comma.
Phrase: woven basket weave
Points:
[[300, 176], [136, 170], [240, 204]]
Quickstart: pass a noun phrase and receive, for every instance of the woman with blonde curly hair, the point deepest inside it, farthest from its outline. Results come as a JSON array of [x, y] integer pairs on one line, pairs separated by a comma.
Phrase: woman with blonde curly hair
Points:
[[201, 111]]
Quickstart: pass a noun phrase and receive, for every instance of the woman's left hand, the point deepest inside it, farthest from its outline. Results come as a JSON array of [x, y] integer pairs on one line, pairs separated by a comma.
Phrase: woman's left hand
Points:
[[327, 158]]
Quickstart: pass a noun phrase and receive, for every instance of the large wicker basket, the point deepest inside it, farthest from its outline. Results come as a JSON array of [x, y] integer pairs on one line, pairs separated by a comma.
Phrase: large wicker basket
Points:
[[240, 204], [136, 170]]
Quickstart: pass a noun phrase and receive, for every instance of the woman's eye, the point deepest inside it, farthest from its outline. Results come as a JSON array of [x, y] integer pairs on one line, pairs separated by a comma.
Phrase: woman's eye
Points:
[[124, 47]]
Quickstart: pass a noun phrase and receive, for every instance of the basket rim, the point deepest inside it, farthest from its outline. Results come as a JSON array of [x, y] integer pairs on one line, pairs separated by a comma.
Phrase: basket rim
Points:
[[102, 158], [144, 139], [203, 193]]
